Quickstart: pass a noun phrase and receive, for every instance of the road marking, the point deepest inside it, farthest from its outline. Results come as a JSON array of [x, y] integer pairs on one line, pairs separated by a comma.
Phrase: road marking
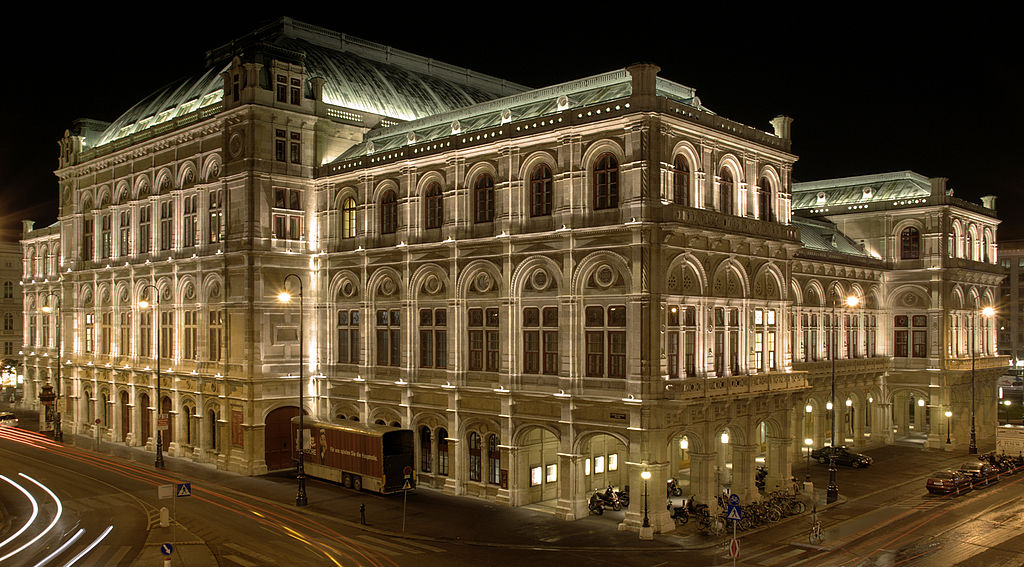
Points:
[[251, 553], [424, 546], [386, 544], [116, 558], [787, 555], [239, 561]]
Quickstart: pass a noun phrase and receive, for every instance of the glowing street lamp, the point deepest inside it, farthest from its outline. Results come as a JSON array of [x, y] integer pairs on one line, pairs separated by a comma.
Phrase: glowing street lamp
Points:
[[949, 414], [646, 475], [300, 473]]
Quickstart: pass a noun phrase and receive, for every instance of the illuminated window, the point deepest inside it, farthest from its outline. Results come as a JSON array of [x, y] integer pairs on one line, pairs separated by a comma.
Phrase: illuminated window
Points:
[[586, 467], [598, 465], [348, 218], [551, 473], [216, 214], [613, 462], [681, 181], [606, 182], [725, 189], [189, 221], [536, 476]]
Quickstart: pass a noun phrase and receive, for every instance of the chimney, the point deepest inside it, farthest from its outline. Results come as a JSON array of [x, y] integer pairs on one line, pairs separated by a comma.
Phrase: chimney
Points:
[[645, 79], [989, 201], [938, 186], [783, 126]]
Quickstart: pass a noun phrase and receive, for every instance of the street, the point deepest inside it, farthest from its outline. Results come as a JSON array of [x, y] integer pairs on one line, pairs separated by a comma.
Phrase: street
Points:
[[884, 517]]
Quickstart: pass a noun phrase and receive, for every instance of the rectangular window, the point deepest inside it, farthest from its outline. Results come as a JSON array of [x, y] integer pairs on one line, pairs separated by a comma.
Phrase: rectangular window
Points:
[[90, 332], [613, 462], [900, 343], [166, 224], [87, 239], [287, 224], [105, 332], [388, 337], [105, 236], [605, 341], [433, 338], [296, 91], [45, 324], [189, 223], [282, 88], [280, 143], [540, 340], [145, 334], [551, 473], [166, 334], [536, 476], [190, 342], [599, 464], [215, 329], [216, 214], [484, 348], [125, 233], [295, 147], [348, 336], [920, 344], [144, 237]]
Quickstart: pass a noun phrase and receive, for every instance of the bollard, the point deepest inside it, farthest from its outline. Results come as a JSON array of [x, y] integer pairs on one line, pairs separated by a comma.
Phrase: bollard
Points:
[[165, 517], [362, 514]]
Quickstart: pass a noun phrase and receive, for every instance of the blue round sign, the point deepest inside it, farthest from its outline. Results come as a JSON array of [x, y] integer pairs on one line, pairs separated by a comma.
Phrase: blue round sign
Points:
[[734, 499], [167, 549]]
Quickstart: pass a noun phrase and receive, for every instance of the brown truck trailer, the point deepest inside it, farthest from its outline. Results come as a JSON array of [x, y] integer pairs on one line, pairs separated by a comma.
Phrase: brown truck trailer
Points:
[[364, 457]]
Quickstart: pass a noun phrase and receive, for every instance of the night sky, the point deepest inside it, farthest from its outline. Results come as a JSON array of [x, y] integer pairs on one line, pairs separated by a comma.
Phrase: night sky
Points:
[[869, 94]]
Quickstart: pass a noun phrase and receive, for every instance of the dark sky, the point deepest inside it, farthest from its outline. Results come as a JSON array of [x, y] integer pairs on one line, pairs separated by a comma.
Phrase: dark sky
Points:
[[869, 93]]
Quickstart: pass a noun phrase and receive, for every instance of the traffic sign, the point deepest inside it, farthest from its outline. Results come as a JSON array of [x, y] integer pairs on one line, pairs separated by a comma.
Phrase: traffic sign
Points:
[[165, 491], [184, 489], [734, 548], [734, 499], [735, 513], [167, 549], [407, 485]]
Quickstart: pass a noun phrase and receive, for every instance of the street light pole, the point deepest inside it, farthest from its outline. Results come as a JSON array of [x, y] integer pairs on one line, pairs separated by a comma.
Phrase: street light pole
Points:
[[300, 473], [949, 414], [832, 492], [808, 442], [58, 433], [156, 309], [646, 475]]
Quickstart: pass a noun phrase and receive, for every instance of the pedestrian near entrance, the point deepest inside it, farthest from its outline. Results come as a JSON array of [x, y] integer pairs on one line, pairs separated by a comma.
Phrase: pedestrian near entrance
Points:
[[362, 514]]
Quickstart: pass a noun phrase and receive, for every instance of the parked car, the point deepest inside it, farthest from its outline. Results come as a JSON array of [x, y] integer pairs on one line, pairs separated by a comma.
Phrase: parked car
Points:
[[945, 482], [844, 456], [8, 419], [980, 473]]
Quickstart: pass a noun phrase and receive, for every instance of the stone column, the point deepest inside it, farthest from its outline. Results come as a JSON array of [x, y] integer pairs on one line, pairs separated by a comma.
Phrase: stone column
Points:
[[702, 477], [572, 502], [743, 472], [859, 413], [779, 460]]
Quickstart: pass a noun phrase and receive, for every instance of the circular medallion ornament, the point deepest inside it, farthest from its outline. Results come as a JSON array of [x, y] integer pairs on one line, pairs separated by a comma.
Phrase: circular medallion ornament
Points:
[[214, 172], [604, 276], [540, 280], [483, 282], [432, 284], [387, 287], [235, 145], [348, 289]]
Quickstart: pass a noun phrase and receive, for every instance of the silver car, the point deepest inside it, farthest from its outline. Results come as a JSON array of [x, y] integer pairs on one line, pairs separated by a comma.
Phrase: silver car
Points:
[[8, 419]]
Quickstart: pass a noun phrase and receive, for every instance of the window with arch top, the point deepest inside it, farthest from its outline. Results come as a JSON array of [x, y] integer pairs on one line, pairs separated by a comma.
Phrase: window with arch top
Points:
[[681, 181], [483, 198], [389, 213], [540, 191], [434, 206], [764, 200], [725, 186], [348, 218], [910, 244], [474, 457], [606, 182]]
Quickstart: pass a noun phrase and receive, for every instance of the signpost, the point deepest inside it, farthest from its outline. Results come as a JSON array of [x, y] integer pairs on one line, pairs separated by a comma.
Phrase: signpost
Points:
[[183, 489], [735, 514], [167, 549], [406, 487]]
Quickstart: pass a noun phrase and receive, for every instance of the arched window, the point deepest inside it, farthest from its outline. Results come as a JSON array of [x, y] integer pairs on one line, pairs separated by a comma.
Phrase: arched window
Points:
[[474, 457], [725, 184], [483, 198], [442, 452], [540, 191], [389, 213], [764, 200], [969, 248], [910, 244], [681, 181], [493, 460], [435, 206], [606, 182], [425, 449], [348, 218]]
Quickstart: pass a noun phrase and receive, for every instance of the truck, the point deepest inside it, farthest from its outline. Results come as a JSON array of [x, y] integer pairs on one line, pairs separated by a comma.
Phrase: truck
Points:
[[362, 457]]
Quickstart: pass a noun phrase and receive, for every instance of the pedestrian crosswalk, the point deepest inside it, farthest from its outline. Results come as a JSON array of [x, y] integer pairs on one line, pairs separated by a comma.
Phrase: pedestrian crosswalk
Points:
[[776, 554], [249, 556]]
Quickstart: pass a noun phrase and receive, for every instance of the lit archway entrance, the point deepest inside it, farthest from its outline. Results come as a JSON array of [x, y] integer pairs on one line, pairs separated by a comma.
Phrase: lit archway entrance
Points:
[[602, 463], [679, 469], [538, 470]]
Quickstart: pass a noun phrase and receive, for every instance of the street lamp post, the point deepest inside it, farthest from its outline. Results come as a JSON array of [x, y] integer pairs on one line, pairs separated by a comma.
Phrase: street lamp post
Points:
[[646, 475], [832, 492], [972, 448], [58, 433], [300, 472], [156, 321], [949, 414], [807, 443]]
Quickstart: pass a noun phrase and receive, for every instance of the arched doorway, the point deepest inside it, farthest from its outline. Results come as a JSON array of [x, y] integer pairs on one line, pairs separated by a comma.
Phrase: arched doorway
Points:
[[679, 468], [537, 467], [146, 424], [277, 438], [168, 435], [126, 417]]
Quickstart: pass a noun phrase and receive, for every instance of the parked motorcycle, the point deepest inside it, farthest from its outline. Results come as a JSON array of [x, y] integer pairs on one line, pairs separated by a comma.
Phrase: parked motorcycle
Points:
[[623, 496], [672, 488], [610, 498], [760, 475], [681, 514], [596, 504]]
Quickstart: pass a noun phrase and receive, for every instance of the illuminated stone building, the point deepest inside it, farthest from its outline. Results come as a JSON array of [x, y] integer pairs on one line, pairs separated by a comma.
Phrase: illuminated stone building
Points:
[[555, 288]]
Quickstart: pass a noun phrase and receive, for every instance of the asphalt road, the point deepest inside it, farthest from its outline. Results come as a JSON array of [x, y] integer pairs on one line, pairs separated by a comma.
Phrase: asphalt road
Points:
[[885, 517]]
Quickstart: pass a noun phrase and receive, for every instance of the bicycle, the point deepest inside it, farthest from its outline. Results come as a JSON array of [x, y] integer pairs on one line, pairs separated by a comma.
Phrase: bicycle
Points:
[[817, 535]]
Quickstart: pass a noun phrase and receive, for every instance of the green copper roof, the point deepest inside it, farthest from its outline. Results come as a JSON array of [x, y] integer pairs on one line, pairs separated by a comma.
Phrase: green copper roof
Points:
[[881, 187], [825, 236]]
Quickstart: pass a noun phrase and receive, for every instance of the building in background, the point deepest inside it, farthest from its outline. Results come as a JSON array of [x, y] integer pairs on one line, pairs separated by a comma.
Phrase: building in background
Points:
[[1011, 320], [555, 288], [12, 329]]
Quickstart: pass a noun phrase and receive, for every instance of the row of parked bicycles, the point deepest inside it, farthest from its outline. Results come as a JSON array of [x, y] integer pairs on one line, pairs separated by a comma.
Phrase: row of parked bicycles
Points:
[[775, 506]]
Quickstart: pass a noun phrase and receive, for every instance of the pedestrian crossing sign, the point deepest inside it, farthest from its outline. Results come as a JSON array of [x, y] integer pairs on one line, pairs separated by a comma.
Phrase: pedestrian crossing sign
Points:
[[185, 489], [735, 513]]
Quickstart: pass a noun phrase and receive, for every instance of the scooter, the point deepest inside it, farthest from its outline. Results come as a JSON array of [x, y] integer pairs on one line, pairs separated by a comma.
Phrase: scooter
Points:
[[596, 504]]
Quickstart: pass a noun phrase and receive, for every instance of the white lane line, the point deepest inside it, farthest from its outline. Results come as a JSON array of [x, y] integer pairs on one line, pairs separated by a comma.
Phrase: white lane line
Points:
[[32, 518], [384, 546], [238, 560], [89, 547], [423, 546], [61, 549]]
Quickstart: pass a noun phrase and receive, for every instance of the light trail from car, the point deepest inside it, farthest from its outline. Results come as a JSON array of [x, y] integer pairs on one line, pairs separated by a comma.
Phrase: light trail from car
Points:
[[56, 518], [32, 518], [61, 549], [89, 547]]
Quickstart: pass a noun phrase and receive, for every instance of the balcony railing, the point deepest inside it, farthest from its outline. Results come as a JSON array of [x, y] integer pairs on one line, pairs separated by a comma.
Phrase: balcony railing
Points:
[[732, 386]]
